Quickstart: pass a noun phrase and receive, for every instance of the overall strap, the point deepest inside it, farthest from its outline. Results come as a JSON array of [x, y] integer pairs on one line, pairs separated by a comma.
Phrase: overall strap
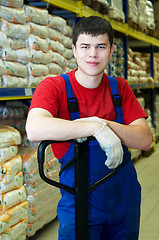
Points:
[[71, 100], [116, 99]]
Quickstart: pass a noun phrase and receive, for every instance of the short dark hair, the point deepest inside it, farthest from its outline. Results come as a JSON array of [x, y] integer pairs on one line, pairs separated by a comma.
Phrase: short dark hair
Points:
[[94, 26]]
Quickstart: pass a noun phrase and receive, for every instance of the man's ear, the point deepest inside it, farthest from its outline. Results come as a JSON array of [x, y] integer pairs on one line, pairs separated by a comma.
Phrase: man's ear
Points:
[[74, 50]]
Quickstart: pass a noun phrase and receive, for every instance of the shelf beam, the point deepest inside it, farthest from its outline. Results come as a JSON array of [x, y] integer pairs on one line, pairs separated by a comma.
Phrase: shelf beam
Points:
[[70, 5], [16, 93]]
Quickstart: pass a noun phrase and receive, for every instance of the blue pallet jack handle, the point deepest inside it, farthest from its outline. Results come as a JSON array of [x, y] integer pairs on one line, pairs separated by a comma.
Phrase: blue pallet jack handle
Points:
[[81, 189]]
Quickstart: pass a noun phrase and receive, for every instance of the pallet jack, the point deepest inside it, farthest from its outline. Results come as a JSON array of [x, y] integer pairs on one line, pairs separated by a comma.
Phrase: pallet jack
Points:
[[81, 189]]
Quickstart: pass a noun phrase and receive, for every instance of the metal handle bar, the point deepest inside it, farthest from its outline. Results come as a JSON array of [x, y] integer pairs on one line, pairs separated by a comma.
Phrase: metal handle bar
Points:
[[41, 159], [81, 185], [81, 188]]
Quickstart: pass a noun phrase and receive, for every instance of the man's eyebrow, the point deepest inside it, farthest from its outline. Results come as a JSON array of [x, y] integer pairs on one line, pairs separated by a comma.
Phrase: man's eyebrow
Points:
[[84, 44], [102, 44], [99, 44]]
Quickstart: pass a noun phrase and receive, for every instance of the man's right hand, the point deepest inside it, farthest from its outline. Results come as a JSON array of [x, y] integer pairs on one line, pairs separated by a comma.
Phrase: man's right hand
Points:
[[111, 145]]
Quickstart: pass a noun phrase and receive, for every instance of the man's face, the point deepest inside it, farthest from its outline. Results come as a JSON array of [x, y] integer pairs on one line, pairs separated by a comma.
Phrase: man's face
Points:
[[92, 53]]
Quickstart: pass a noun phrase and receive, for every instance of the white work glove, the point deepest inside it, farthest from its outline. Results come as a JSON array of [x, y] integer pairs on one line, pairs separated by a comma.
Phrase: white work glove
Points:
[[108, 141], [111, 145]]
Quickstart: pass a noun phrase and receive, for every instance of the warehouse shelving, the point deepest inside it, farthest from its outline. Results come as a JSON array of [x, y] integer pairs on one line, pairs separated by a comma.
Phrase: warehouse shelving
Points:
[[81, 10], [16, 93]]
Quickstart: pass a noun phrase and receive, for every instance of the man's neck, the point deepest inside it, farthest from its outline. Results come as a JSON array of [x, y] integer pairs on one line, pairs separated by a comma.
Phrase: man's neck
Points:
[[88, 81]]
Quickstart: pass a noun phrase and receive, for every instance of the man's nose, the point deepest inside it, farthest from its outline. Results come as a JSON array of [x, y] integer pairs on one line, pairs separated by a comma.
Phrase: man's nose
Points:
[[93, 52]]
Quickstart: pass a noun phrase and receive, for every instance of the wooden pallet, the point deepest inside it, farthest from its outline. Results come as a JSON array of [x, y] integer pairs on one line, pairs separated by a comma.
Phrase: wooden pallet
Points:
[[96, 6], [133, 24], [143, 30], [151, 32]]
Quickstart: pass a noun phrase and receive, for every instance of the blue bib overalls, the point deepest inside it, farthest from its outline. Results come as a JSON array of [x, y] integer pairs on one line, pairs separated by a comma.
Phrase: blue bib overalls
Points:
[[114, 206]]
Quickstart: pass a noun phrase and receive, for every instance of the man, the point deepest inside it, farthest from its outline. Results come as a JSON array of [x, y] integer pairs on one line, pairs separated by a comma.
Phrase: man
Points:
[[114, 207]]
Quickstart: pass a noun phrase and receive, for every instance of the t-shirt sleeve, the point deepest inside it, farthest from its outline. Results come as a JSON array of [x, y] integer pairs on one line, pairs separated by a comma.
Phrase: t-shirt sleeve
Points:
[[132, 110], [47, 95]]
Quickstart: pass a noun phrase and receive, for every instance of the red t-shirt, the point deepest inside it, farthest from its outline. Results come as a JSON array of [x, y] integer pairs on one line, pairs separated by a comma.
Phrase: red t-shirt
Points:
[[51, 96]]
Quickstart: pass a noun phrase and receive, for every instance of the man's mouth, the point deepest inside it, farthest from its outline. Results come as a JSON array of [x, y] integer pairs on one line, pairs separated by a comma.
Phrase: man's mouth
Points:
[[92, 63]]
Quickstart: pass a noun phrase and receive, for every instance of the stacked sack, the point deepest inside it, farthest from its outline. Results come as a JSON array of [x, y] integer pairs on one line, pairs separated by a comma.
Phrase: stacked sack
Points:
[[49, 43], [13, 205], [146, 57], [37, 20], [13, 48], [116, 10], [156, 67], [146, 14], [156, 16], [132, 11], [156, 116], [42, 197], [60, 46], [33, 45], [135, 153], [116, 65], [141, 15], [137, 68]]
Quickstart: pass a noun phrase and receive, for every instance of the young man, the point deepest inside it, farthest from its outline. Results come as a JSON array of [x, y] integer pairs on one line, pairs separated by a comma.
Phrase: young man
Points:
[[114, 207]]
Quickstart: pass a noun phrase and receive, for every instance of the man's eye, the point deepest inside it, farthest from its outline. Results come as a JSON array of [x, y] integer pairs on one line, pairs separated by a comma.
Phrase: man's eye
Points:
[[85, 47], [101, 47]]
